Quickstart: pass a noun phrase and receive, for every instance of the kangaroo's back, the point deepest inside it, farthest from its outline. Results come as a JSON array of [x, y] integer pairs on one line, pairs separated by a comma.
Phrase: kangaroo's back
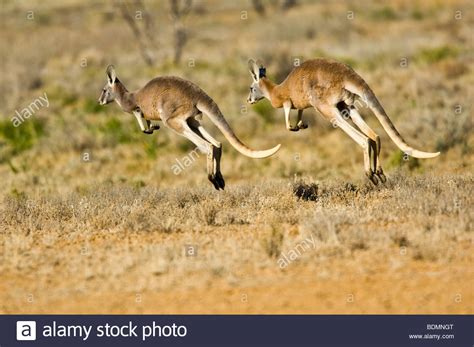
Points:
[[168, 93], [323, 78], [321, 72]]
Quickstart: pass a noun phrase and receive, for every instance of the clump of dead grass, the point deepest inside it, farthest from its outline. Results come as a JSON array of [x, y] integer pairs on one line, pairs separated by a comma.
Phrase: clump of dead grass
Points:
[[273, 241], [412, 213]]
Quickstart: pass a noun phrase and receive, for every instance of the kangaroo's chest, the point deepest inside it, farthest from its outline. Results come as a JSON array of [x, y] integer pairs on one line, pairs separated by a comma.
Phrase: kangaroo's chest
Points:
[[295, 89]]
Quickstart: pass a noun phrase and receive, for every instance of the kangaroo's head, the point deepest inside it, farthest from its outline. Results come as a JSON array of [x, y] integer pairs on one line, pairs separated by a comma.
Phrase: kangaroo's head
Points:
[[257, 71], [109, 92]]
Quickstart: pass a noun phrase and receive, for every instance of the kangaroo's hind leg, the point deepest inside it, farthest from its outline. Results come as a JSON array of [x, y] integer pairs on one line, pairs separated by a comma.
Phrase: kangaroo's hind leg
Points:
[[216, 147], [376, 146], [349, 111], [332, 113], [181, 127]]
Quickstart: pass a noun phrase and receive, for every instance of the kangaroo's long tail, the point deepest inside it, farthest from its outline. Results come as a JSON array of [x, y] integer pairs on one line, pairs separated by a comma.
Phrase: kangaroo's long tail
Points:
[[363, 91], [210, 109]]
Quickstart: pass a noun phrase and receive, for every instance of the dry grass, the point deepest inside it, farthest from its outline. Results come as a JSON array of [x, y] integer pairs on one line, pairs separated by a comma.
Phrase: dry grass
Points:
[[92, 236], [130, 240]]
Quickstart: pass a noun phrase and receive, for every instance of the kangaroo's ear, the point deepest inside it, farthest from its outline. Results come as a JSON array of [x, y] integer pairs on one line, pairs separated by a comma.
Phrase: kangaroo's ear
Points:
[[262, 72], [111, 76], [253, 68]]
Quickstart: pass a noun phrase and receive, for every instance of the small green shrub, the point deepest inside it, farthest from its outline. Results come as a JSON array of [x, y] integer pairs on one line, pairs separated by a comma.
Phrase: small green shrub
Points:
[[265, 110], [150, 146], [384, 13], [69, 99], [20, 138], [436, 54], [114, 128], [185, 146], [399, 158], [417, 14], [92, 106]]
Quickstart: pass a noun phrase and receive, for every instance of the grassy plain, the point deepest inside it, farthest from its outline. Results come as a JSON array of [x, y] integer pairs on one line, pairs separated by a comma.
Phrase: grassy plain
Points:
[[93, 220]]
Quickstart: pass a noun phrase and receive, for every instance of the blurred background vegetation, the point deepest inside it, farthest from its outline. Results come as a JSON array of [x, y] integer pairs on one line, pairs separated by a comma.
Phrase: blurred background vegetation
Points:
[[91, 214], [416, 55]]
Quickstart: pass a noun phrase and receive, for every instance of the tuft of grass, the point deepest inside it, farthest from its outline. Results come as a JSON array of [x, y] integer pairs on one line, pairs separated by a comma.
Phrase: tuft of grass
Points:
[[400, 240], [272, 243], [43, 19], [139, 184], [456, 132], [417, 14], [17, 195], [436, 54], [207, 213], [384, 14]]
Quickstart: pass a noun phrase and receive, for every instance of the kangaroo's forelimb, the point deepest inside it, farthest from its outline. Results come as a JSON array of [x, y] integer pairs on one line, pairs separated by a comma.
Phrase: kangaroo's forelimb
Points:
[[300, 124], [145, 125]]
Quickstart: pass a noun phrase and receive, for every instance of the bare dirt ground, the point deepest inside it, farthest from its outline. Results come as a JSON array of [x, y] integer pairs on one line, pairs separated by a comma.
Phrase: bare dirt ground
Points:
[[94, 220]]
